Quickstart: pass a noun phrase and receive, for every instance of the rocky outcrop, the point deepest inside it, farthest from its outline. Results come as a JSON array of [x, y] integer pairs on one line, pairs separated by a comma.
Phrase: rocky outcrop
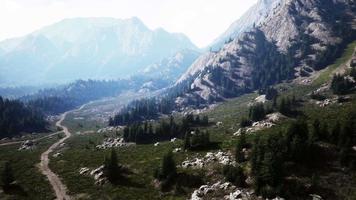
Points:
[[27, 145], [224, 158], [113, 142]]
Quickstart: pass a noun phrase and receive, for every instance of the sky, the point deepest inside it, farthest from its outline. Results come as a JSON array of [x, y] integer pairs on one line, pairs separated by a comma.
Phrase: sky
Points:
[[201, 20]]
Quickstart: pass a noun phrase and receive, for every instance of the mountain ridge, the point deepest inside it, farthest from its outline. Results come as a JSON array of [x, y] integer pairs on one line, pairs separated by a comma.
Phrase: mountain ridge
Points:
[[295, 39], [100, 48]]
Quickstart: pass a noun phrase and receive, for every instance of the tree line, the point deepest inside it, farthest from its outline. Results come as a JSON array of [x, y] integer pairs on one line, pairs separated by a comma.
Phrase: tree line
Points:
[[16, 117], [147, 132]]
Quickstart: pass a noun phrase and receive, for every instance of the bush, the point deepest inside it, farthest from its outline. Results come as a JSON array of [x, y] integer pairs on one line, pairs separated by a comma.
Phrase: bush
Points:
[[234, 175], [341, 85], [245, 123], [317, 96], [257, 112]]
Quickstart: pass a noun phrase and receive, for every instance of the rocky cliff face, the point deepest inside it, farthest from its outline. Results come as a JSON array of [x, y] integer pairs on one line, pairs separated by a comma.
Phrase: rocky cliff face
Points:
[[294, 39], [255, 15]]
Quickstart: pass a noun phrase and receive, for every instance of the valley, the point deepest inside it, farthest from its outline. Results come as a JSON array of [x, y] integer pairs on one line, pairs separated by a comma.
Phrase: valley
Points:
[[106, 108], [80, 149]]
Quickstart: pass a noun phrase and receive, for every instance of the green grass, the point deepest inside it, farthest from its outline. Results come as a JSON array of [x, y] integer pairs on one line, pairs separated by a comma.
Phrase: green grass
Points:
[[26, 172], [326, 74], [82, 124], [142, 160]]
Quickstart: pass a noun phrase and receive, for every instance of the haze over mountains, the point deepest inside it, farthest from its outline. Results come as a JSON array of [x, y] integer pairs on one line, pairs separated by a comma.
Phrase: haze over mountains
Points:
[[81, 48]]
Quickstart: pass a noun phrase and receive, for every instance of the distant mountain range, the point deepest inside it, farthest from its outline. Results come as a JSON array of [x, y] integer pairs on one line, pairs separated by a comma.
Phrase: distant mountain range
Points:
[[83, 48]]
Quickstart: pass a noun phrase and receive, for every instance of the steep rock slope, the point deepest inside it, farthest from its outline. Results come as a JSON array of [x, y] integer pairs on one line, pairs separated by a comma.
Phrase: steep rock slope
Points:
[[255, 15], [295, 38], [86, 48]]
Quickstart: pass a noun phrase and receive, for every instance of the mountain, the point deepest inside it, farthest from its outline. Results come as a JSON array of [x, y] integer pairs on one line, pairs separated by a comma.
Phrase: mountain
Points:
[[295, 39], [171, 68], [255, 15], [86, 48]]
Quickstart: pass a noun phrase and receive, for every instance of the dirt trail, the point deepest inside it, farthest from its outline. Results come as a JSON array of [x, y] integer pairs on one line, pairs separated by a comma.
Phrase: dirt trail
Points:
[[35, 140], [59, 188]]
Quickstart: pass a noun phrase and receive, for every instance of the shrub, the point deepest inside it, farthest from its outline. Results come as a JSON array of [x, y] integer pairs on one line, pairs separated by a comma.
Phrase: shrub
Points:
[[234, 175], [245, 122], [341, 85]]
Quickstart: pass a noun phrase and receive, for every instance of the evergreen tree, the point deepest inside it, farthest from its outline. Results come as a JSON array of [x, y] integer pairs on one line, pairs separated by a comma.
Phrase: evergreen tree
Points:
[[205, 120], [353, 72], [234, 175], [241, 143], [257, 112], [341, 85], [324, 132], [334, 138], [245, 122], [186, 144], [255, 155], [111, 167], [7, 176], [316, 135], [168, 168]]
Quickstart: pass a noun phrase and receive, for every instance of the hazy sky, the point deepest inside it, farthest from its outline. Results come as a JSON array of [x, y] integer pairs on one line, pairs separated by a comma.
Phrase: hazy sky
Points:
[[201, 20]]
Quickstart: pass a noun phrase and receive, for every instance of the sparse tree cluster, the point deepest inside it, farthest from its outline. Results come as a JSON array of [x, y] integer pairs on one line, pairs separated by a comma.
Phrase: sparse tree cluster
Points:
[[196, 140]]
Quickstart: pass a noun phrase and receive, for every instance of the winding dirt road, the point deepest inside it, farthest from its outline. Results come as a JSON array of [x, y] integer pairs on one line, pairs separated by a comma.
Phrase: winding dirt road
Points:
[[58, 187]]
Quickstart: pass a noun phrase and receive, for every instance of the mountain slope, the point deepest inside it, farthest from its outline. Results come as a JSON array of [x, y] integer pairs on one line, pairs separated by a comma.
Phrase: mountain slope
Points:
[[86, 48], [297, 38], [254, 16], [171, 68]]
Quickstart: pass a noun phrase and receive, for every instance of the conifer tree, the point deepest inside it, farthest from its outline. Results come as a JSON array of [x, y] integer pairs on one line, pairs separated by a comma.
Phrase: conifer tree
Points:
[[7, 176], [168, 166], [241, 143], [335, 133], [111, 167], [315, 136]]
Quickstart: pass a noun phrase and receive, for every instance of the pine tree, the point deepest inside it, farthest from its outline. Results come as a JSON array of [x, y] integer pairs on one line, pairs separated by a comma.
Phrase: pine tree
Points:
[[241, 143], [168, 168], [111, 167], [186, 144], [315, 136], [255, 156], [7, 176], [324, 132], [353, 73]]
